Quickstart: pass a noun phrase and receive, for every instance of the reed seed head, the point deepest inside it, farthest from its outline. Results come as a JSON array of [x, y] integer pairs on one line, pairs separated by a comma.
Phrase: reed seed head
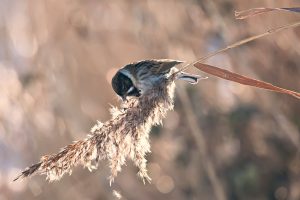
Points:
[[125, 135]]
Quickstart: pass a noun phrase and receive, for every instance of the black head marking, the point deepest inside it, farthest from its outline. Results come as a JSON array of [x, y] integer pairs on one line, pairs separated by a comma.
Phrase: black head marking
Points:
[[123, 86]]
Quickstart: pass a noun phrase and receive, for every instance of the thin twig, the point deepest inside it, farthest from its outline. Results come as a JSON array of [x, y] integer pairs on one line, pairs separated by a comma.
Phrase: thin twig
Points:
[[241, 42], [257, 11]]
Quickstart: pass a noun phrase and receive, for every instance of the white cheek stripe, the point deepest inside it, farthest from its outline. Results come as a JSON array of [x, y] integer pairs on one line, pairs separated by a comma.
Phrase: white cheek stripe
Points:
[[129, 75], [130, 90]]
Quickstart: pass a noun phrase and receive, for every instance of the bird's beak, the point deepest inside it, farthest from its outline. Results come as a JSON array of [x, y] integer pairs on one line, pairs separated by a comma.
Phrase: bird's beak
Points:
[[124, 97]]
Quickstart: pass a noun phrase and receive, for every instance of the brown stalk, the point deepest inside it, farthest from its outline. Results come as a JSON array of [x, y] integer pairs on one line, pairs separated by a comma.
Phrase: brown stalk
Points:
[[197, 134], [241, 42]]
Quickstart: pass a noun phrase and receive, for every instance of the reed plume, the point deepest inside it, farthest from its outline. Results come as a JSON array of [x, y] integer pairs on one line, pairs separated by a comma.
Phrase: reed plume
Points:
[[125, 135]]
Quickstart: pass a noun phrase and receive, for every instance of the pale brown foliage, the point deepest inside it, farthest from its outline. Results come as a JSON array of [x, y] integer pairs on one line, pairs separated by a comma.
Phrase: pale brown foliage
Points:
[[125, 135]]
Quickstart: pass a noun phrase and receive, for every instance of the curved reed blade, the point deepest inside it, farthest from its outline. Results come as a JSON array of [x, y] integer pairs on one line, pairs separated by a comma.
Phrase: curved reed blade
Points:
[[231, 76]]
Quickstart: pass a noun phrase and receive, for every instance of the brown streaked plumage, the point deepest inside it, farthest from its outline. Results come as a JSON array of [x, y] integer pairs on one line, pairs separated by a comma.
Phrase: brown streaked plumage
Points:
[[136, 78]]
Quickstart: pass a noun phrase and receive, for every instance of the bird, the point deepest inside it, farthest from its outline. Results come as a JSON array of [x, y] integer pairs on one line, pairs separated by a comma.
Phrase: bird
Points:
[[150, 85], [135, 79]]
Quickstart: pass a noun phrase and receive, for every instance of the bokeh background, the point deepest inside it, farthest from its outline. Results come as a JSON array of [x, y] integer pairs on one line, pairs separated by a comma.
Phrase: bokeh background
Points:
[[56, 62]]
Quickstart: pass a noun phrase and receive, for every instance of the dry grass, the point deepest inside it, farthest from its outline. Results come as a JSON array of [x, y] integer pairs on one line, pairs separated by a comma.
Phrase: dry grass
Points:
[[125, 135]]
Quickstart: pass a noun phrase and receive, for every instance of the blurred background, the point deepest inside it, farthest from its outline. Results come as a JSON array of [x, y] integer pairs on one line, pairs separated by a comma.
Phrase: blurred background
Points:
[[56, 62]]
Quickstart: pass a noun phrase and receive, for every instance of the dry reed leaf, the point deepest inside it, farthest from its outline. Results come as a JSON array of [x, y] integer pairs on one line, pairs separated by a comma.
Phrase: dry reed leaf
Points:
[[228, 75], [257, 11]]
